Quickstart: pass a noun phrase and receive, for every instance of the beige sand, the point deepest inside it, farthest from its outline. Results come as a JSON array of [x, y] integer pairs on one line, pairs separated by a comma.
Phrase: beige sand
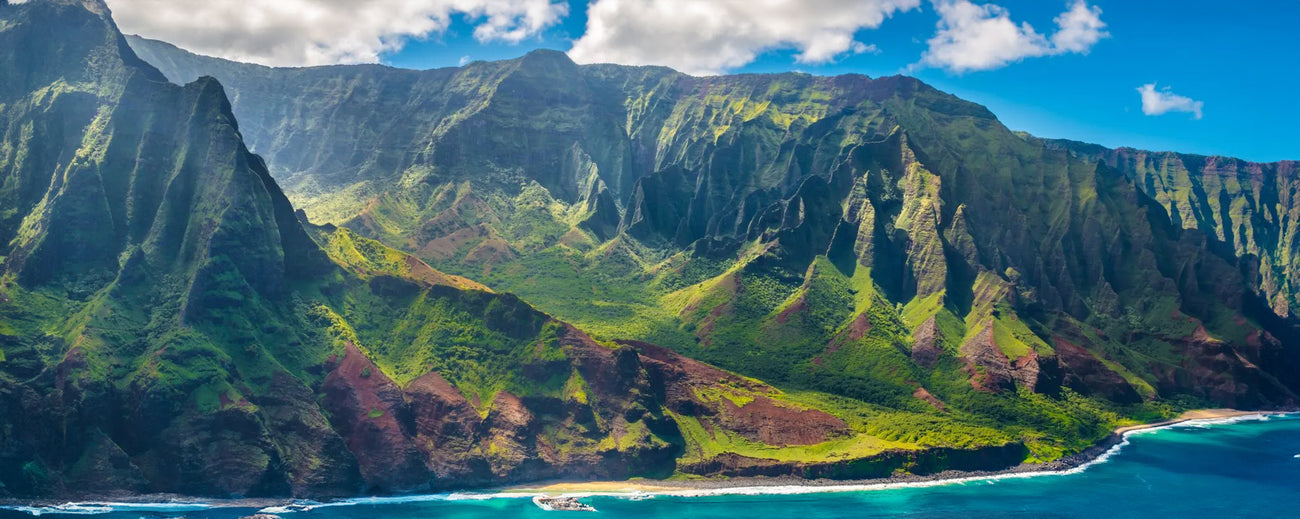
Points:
[[1196, 414], [601, 487]]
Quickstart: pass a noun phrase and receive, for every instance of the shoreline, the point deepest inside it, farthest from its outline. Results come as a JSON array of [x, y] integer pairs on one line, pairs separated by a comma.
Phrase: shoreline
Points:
[[1097, 453], [1196, 414], [1069, 464]]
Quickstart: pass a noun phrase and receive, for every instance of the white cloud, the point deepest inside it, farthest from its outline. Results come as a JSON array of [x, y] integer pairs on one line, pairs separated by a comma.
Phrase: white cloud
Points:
[[464, 60], [712, 36], [1163, 101], [317, 32], [862, 48], [1080, 28], [983, 37]]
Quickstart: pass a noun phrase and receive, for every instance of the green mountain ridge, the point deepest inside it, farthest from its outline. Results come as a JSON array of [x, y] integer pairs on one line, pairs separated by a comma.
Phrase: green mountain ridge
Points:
[[169, 323], [759, 222], [1248, 208], [892, 281]]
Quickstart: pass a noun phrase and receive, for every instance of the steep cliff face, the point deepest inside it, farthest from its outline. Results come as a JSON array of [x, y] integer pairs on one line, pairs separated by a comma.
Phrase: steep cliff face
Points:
[[872, 238], [1246, 209], [168, 324], [143, 243], [928, 289]]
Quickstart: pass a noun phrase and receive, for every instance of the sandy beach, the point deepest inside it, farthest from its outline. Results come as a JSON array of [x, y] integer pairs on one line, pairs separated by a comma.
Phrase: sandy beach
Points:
[[1196, 414], [648, 486], [600, 487]]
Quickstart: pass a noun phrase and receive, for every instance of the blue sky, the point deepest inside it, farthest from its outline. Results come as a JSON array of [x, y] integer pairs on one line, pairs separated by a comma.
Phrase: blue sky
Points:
[[1237, 64]]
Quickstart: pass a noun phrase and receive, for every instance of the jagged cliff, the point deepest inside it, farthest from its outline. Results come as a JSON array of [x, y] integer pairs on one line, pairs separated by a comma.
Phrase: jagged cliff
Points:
[[1247, 209], [870, 237], [894, 280], [169, 324]]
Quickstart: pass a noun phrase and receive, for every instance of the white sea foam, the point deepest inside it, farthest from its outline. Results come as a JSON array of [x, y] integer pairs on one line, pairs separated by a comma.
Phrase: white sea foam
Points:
[[107, 507]]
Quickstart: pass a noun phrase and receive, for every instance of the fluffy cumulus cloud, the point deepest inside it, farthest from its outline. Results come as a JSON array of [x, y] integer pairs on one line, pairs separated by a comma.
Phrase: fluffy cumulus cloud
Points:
[[1160, 101], [983, 37], [316, 32], [712, 36]]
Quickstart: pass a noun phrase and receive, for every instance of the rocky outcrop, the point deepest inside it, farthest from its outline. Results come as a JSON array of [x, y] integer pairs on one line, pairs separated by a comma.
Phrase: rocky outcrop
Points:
[[759, 417], [371, 414], [1088, 375], [925, 350], [991, 370], [1247, 208]]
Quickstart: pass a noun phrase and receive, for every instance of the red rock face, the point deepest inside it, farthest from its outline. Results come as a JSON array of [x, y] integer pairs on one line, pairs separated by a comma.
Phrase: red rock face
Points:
[[779, 424], [794, 309], [368, 411], [925, 396], [990, 370], [763, 419], [924, 350], [1087, 375], [1025, 370], [446, 426], [859, 327], [428, 435], [1221, 372]]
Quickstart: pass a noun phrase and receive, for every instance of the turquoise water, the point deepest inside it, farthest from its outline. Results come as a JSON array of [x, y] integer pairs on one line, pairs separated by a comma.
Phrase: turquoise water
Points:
[[1245, 468]]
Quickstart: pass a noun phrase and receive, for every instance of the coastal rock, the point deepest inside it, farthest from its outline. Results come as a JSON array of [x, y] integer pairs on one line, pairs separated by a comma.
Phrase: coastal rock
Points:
[[1222, 373], [316, 458], [104, 467], [369, 412], [447, 428]]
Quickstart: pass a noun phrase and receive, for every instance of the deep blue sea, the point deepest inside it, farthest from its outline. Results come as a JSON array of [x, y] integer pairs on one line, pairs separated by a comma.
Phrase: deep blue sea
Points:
[[1243, 468]]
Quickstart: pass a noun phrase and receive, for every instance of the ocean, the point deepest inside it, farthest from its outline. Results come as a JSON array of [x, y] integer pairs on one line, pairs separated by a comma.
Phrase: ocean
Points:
[[1244, 467]]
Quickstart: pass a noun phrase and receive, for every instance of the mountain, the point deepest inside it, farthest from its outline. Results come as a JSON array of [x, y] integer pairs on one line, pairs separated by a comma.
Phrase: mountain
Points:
[[886, 278], [1249, 209], [169, 323], [870, 238]]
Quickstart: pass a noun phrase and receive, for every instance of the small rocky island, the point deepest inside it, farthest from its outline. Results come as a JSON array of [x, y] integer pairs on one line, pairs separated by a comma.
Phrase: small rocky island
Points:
[[561, 504]]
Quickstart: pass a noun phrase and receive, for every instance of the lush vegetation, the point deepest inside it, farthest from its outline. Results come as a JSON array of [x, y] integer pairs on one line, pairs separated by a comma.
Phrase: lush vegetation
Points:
[[875, 240], [881, 258]]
